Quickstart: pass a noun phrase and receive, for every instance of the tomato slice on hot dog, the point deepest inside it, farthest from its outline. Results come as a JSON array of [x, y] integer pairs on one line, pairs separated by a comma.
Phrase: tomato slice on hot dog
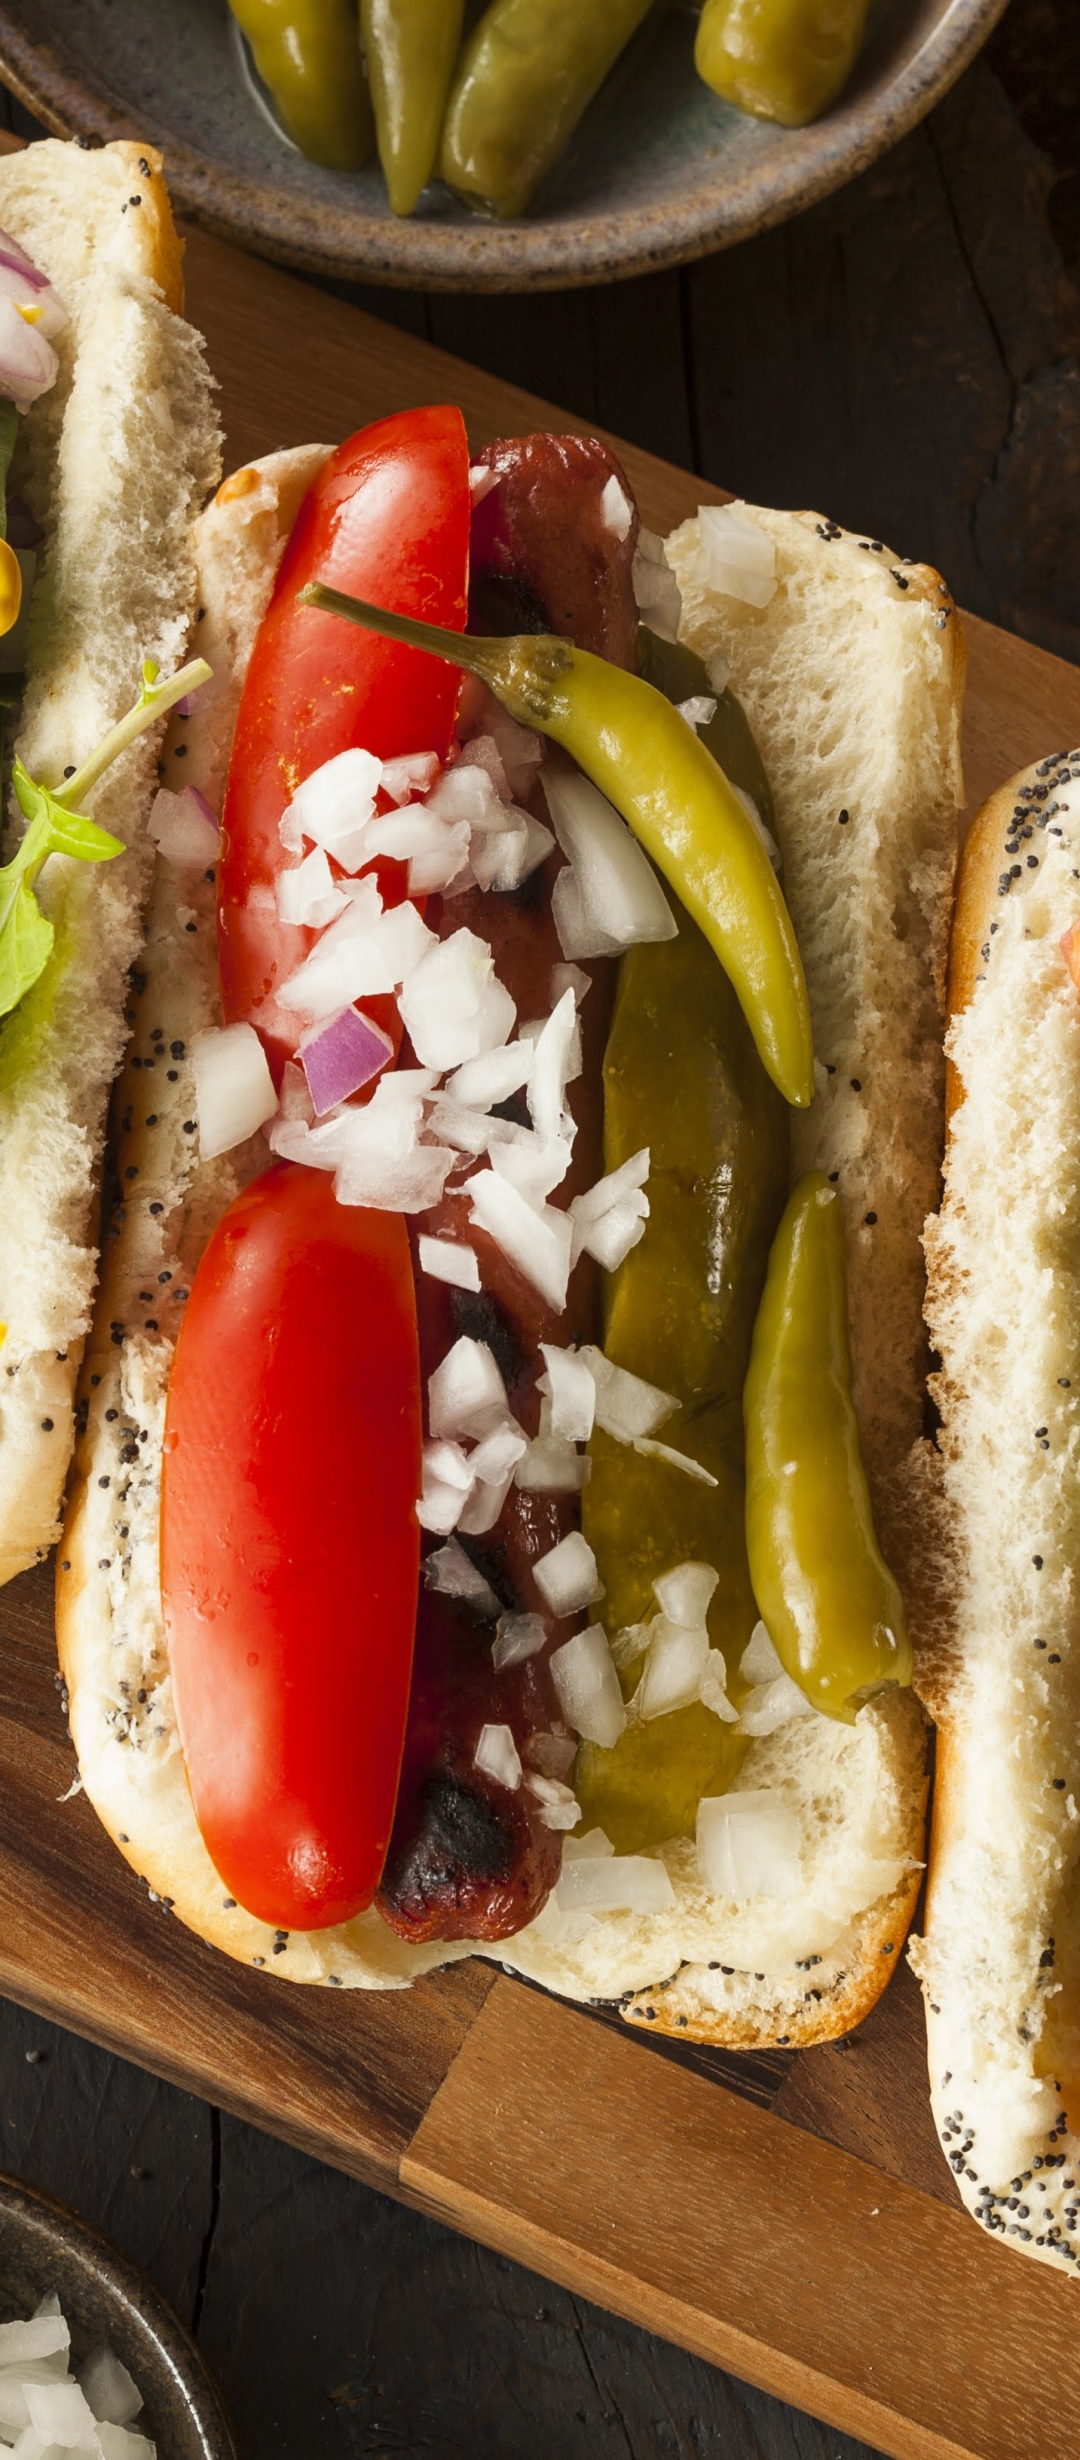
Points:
[[290, 1545]]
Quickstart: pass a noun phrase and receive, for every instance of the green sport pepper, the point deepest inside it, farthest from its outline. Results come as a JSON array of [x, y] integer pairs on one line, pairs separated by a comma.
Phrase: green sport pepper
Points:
[[829, 1602], [410, 47], [651, 765], [527, 74], [783, 60], [307, 53]]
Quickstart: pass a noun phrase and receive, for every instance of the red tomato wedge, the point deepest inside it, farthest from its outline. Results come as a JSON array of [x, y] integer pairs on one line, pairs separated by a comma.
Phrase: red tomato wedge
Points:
[[289, 1540], [388, 519], [290, 1546]]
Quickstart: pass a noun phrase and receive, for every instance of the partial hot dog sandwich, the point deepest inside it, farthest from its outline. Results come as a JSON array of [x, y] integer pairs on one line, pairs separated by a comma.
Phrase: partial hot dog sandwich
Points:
[[490, 1528], [108, 445]]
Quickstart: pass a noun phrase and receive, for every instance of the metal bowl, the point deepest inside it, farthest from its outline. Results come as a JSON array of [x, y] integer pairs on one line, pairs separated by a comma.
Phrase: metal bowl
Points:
[[43, 2246], [660, 171]]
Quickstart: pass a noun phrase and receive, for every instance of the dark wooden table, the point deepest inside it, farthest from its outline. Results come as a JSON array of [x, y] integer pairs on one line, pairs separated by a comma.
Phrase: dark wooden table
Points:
[[905, 357]]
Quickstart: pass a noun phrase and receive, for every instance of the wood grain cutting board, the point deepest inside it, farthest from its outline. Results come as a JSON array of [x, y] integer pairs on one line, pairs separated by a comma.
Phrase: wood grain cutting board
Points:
[[789, 2217]]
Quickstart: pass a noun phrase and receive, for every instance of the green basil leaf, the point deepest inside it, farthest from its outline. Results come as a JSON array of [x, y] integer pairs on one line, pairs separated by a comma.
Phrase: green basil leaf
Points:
[[25, 945]]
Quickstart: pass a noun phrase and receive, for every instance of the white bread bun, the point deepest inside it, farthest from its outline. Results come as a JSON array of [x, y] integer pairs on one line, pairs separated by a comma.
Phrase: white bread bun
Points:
[[1000, 1959], [801, 1970], [114, 462]]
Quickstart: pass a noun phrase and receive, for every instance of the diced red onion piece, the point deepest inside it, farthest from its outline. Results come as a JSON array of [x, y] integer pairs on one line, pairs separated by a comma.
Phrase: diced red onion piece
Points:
[[698, 710], [28, 362], [587, 1687], [339, 1057], [748, 1844], [410, 773], [614, 1883], [572, 1392], [449, 1260], [552, 1754], [647, 1445], [735, 557], [333, 807], [713, 1689], [309, 893], [558, 1806], [656, 589], [567, 1576], [686, 1592], [234, 1091], [626, 1405], [453, 1005], [449, 1570], [609, 897], [536, 1238], [518, 1636], [466, 1393], [673, 1668], [183, 828], [496, 1755]]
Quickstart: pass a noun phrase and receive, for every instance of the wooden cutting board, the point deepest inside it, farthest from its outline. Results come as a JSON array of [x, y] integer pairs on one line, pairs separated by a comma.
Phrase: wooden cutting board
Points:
[[789, 2217]]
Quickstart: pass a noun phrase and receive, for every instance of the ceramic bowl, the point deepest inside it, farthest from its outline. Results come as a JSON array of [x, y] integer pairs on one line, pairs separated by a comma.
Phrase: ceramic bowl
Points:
[[105, 2298], [660, 171]]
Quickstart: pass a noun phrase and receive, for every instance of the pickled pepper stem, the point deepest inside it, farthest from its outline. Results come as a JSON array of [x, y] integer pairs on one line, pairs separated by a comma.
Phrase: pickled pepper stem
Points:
[[670, 791]]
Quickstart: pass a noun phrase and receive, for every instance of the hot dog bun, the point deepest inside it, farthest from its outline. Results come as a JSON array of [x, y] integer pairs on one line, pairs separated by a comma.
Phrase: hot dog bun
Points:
[[114, 461], [1000, 1959], [799, 1972]]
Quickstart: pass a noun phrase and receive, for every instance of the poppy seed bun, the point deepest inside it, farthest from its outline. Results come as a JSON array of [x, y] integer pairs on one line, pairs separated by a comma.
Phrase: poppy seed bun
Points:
[[800, 1970], [1000, 1958], [114, 462]]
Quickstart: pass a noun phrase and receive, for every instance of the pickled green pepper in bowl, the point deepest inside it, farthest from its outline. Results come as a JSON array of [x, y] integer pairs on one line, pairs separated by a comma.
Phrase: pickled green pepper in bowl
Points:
[[783, 60], [307, 54]]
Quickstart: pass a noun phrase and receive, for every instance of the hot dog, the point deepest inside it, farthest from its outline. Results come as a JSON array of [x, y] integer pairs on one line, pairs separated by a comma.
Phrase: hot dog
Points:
[[482, 1814]]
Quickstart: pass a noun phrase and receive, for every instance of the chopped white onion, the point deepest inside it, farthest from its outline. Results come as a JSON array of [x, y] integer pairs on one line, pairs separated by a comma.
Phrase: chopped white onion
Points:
[[183, 828], [449, 1570], [61, 2412], [556, 1062], [41, 2336], [718, 669], [482, 752], [559, 1808], [309, 893], [536, 1238], [552, 1466], [571, 1390], [234, 1091], [466, 1393], [735, 557], [616, 510], [587, 1687], [588, 1848], [759, 1662], [626, 1406], [373, 1148], [469, 1131], [410, 773], [294, 1100], [625, 1181], [481, 482], [447, 1481], [673, 1668], [698, 710], [552, 1754], [498, 1452], [367, 951], [518, 1636], [453, 1005], [758, 826], [521, 751], [511, 855], [28, 362], [333, 807], [493, 1077], [567, 1576], [614, 1883], [608, 897], [748, 1845], [648, 1445], [496, 1755], [629, 1644], [773, 1704], [119, 2443], [434, 853], [113, 2396], [449, 1260], [534, 1164], [656, 589], [714, 1693], [341, 1055], [569, 978], [611, 1238], [686, 1592]]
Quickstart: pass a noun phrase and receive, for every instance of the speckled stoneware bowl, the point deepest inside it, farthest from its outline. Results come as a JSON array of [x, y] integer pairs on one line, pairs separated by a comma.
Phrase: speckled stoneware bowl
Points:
[[43, 2247], [660, 171]]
